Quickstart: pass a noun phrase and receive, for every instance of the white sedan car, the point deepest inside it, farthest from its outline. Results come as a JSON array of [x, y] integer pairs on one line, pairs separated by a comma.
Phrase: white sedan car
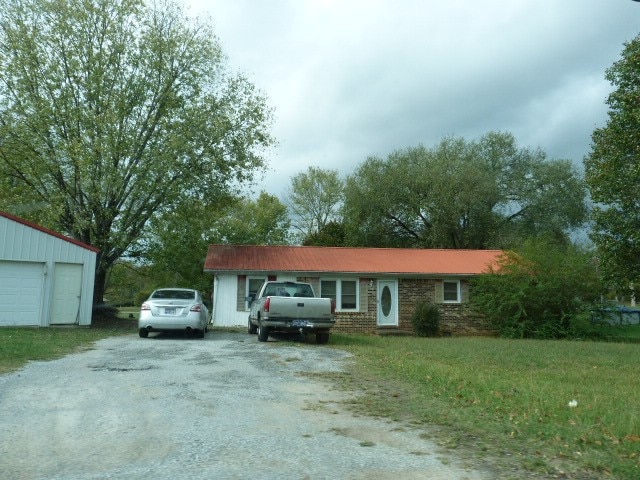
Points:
[[174, 309]]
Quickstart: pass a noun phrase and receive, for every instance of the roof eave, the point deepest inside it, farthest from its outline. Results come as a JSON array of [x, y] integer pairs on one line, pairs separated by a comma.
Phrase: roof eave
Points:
[[362, 273]]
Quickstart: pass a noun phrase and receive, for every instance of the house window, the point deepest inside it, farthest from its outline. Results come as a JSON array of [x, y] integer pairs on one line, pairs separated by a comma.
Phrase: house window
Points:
[[253, 286], [451, 291], [328, 289], [349, 295], [343, 292]]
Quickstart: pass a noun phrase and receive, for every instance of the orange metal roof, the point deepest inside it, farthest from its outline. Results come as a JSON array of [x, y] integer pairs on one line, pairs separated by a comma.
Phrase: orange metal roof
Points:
[[401, 261]]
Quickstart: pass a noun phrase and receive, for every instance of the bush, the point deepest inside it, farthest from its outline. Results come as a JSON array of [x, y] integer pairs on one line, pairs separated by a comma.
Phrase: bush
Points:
[[541, 291], [426, 319]]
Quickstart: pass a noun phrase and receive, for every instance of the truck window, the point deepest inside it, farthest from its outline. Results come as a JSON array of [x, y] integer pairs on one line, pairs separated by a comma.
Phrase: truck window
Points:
[[288, 290], [304, 291]]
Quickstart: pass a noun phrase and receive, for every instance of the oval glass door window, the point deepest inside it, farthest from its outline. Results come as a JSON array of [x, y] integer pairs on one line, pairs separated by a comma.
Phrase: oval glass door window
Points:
[[385, 299]]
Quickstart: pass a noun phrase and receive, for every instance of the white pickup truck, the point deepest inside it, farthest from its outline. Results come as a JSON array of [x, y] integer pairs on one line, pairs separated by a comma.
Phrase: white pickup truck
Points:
[[290, 307]]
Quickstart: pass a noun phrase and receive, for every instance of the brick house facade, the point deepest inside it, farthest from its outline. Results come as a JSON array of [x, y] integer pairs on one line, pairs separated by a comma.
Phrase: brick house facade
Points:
[[456, 319], [376, 289]]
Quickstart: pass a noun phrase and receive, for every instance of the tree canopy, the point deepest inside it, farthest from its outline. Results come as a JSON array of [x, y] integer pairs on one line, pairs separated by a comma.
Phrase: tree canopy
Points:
[[613, 173], [174, 246], [331, 234], [263, 221], [487, 193], [314, 199], [115, 111]]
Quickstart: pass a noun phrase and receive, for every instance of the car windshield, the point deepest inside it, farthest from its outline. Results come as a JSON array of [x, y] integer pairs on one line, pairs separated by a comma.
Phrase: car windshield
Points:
[[177, 294]]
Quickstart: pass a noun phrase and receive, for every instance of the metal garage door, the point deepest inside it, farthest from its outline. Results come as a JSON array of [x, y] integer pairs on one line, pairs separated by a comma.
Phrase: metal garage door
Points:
[[67, 285], [21, 285]]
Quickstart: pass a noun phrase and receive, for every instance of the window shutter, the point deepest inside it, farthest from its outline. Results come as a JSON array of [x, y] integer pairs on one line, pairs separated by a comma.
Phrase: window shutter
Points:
[[464, 291], [439, 291], [364, 300], [242, 288]]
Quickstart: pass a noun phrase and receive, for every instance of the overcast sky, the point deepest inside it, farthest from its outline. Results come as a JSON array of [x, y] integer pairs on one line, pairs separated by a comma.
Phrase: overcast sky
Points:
[[353, 78]]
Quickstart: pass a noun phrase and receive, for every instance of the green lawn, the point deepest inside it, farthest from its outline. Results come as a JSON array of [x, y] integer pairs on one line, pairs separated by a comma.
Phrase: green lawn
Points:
[[553, 407], [21, 345]]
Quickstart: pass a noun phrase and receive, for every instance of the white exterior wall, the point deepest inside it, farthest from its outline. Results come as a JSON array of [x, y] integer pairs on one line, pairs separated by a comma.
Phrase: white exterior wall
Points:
[[225, 299], [22, 243]]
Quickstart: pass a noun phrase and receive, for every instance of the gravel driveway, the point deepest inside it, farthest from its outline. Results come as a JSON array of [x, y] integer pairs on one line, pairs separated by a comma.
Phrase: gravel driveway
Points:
[[226, 407]]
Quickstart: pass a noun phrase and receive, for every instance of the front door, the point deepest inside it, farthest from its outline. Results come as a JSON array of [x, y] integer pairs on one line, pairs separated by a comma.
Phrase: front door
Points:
[[387, 303]]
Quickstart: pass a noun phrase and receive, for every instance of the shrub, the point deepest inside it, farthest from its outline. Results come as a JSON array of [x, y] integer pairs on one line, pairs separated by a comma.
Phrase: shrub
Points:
[[539, 292], [426, 319]]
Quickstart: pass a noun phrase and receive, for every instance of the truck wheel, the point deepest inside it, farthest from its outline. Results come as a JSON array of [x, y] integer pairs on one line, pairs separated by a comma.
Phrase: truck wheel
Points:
[[251, 328], [322, 337], [263, 333]]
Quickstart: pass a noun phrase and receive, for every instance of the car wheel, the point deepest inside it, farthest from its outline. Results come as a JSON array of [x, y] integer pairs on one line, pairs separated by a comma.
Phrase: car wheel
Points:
[[263, 333], [251, 328], [143, 332], [322, 337]]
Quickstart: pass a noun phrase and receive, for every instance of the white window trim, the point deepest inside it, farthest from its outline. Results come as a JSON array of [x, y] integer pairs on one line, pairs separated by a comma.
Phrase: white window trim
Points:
[[247, 306], [459, 290], [339, 292]]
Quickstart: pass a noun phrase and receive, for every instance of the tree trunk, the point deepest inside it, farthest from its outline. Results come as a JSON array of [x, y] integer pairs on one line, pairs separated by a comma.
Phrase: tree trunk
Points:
[[99, 286]]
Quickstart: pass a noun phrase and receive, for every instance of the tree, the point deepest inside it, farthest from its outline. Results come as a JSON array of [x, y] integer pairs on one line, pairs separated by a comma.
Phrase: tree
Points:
[[331, 234], [540, 291], [130, 284], [613, 173], [264, 221], [462, 194], [113, 112], [174, 248], [314, 199]]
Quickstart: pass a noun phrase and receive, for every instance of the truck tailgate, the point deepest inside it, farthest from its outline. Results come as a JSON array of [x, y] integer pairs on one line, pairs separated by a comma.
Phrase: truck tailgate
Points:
[[300, 308]]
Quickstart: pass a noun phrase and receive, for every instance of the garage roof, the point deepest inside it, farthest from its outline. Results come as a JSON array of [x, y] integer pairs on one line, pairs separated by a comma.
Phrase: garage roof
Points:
[[47, 231], [402, 261]]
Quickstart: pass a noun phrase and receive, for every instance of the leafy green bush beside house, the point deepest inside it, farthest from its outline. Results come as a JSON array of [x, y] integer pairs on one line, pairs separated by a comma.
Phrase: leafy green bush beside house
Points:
[[426, 319], [544, 290]]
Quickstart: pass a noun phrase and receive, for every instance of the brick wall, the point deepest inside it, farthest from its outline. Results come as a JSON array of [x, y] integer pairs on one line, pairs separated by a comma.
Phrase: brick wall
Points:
[[457, 319], [410, 292], [365, 320]]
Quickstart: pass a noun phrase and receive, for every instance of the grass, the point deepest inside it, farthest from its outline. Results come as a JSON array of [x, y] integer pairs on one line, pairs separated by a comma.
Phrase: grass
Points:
[[505, 401], [19, 346], [617, 333], [509, 399]]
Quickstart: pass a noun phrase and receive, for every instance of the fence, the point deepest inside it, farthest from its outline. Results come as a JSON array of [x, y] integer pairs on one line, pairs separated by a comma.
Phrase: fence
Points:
[[617, 315]]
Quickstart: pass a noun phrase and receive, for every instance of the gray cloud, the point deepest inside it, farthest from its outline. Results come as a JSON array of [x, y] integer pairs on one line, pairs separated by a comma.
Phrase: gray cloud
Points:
[[350, 79]]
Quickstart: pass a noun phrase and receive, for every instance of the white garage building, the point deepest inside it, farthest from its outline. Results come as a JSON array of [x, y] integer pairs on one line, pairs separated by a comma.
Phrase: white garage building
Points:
[[45, 278]]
